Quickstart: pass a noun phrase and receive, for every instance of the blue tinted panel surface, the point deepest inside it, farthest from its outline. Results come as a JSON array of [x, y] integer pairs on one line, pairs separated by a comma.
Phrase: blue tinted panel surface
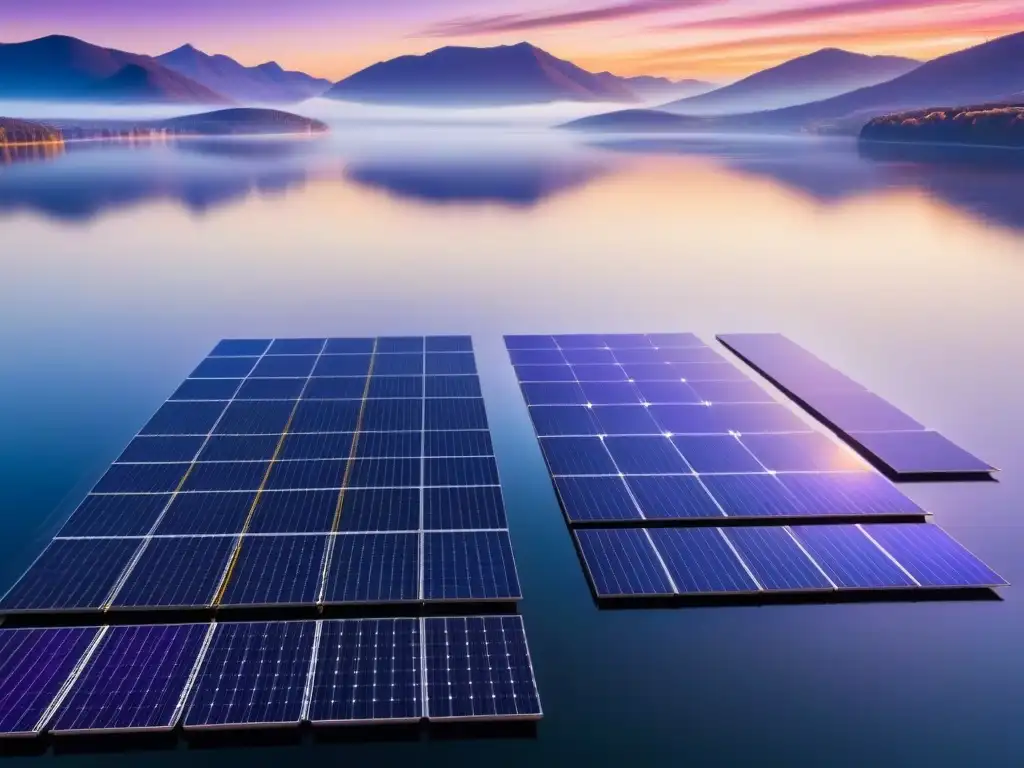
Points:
[[300, 475], [256, 417], [625, 420], [848, 493], [730, 392], [373, 567], [475, 565], [331, 445], [285, 367], [349, 346], [134, 680], [449, 344], [392, 415], [536, 356], [252, 673], [226, 476], [860, 411], [34, 664], [325, 416], [448, 364], [206, 389], [385, 473], [551, 420], [276, 570], [177, 448], [622, 563], [294, 512], [673, 497], [850, 558], [479, 667], [611, 393], [296, 346], [577, 456], [407, 344], [467, 470], [452, 386], [932, 557], [911, 453], [184, 418], [177, 572], [398, 365], [757, 417], [701, 561], [646, 455], [526, 341], [671, 392], [335, 388], [141, 478], [380, 509], [776, 559], [390, 445], [109, 515], [553, 393], [455, 508], [467, 413], [589, 499], [716, 453], [753, 496], [71, 574], [198, 513], [271, 389], [224, 368], [802, 452], [367, 670], [236, 347], [686, 419], [528, 373], [240, 448], [357, 366], [462, 443]]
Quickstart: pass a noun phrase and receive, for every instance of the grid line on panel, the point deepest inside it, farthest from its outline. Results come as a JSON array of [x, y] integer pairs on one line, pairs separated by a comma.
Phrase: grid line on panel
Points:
[[346, 477], [119, 584], [233, 560], [423, 480], [76, 672]]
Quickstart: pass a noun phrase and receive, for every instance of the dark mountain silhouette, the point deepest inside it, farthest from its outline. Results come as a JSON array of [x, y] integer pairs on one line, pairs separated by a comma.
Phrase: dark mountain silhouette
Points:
[[247, 121], [819, 75], [461, 76], [982, 74], [65, 68], [997, 125], [267, 83]]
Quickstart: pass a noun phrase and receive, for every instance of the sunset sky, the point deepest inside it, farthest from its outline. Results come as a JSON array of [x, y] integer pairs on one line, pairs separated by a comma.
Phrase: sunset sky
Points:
[[712, 39]]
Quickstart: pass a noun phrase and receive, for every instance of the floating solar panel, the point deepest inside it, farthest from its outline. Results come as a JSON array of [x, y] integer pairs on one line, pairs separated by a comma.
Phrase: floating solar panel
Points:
[[34, 666], [367, 671], [892, 440], [252, 675], [135, 680], [659, 430], [753, 560], [294, 472], [478, 668]]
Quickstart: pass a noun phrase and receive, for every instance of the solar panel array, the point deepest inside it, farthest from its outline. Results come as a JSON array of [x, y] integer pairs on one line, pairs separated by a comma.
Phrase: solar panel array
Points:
[[898, 444], [645, 431], [294, 472], [283, 473], [118, 679]]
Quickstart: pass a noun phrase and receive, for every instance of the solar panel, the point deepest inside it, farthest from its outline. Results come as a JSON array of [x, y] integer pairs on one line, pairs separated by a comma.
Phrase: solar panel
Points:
[[367, 671], [70, 575], [135, 680], [635, 432], [622, 562], [931, 556], [252, 675], [478, 667], [469, 565], [894, 441], [34, 666], [293, 471], [850, 559]]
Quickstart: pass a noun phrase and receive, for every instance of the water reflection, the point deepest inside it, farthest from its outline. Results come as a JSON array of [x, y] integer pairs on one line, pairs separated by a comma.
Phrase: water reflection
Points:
[[80, 182], [982, 181], [30, 152]]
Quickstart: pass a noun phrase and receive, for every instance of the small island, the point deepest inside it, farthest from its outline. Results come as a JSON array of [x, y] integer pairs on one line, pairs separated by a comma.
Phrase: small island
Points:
[[989, 125], [224, 122]]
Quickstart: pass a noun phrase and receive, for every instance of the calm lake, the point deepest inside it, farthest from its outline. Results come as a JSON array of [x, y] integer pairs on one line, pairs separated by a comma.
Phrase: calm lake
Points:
[[122, 266]]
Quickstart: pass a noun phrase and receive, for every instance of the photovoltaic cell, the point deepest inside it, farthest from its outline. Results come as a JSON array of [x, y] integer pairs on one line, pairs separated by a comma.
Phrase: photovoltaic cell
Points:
[[776, 559], [367, 670], [337, 388], [34, 665], [611, 393], [461, 443], [671, 497], [271, 389], [465, 470], [184, 418], [920, 453], [192, 514], [206, 389], [380, 509], [256, 417], [848, 493], [452, 386], [596, 499], [141, 478], [285, 367], [577, 456], [446, 414], [240, 448], [133, 681], [393, 386], [176, 573], [240, 347], [70, 575], [646, 455], [753, 496], [622, 562], [802, 452], [469, 565], [449, 344], [713, 454], [296, 346], [224, 368], [478, 667], [932, 557], [459, 508], [701, 561], [112, 515], [325, 445], [850, 559], [226, 476], [373, 568], [294, 512], [179, 448], [276, 570], [253, 674]]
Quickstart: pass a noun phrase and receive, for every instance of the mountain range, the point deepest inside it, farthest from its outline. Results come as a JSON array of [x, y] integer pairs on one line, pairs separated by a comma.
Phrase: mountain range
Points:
[[819, 75], [986, 73], [264, 84]]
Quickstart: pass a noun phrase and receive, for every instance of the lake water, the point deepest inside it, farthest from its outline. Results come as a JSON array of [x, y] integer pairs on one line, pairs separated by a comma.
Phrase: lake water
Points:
[[122, 266]]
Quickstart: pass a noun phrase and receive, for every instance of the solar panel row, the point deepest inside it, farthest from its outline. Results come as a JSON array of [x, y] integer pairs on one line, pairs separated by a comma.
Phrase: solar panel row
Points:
[[896, 442], [213, 571], [243, 675], [639, 429], [252, 492], [661, 562]]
